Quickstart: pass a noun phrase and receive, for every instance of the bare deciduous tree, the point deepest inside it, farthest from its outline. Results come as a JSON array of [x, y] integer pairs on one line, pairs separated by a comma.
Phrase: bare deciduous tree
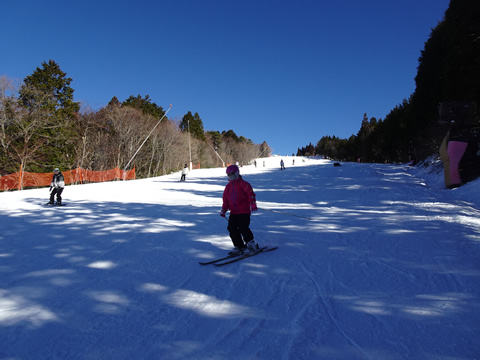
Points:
[[130, 130]]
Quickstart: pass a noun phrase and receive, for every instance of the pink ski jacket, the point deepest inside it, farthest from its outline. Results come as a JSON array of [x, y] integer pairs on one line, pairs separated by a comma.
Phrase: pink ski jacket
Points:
[[237, 197]]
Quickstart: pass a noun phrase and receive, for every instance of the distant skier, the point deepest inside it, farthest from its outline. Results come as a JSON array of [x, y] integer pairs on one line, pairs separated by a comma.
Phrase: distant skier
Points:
[[56, 187], [282, 165], [239, 198], [184, 173]]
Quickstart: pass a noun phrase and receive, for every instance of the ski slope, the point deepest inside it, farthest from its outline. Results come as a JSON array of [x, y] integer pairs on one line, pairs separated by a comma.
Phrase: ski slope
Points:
[[387, 267]]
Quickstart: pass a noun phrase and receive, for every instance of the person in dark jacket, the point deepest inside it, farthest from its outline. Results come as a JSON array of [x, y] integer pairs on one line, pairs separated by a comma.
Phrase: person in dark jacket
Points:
[[56, 187], [239, 198]]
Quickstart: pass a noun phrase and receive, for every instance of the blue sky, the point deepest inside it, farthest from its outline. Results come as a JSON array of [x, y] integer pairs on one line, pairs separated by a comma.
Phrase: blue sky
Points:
[[284, 72]]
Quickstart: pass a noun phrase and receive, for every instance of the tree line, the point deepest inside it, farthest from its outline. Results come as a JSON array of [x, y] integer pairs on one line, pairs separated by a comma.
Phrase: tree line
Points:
[[42, 127], [447, 83]]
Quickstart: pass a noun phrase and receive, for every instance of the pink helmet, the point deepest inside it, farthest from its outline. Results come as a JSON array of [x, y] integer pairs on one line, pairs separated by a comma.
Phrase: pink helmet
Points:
[[232, 169]]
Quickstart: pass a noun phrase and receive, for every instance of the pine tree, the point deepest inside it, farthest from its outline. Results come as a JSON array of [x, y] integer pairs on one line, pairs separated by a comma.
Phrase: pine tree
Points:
[[47, 98], [195, 124], [50, 80], [146, 105], [215, 138]]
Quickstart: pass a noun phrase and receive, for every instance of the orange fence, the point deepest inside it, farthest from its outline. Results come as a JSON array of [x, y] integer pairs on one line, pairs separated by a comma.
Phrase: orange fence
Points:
[[22, 179]]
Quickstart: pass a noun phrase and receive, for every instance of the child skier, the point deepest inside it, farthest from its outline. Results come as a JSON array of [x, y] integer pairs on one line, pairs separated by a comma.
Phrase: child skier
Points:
[[56, 187], [239, 198]]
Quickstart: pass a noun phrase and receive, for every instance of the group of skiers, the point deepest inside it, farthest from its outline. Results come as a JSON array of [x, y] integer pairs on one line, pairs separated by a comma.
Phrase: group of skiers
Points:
[[238, 198]]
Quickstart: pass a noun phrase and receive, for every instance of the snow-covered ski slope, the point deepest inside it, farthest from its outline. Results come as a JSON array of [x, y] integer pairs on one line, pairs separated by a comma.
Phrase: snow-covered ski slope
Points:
[[387, 268]]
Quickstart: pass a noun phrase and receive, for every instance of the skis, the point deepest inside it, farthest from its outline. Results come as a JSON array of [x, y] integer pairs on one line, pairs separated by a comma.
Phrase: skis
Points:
[[238, 258], [217, 260], [52, 205], [234, 258]]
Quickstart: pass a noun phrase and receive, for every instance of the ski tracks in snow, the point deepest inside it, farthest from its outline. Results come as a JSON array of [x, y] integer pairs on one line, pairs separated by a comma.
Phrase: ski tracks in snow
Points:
[[321, 304]]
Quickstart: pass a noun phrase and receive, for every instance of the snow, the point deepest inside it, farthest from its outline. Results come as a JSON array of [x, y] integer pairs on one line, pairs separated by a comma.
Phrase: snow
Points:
[[387, 267]]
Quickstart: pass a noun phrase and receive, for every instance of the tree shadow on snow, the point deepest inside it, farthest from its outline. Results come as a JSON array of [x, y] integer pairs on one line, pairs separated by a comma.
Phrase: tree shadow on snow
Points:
[[373, 274]]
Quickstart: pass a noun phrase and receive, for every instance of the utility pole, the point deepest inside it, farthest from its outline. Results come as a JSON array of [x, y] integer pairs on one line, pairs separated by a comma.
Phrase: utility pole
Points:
[[189, 146]]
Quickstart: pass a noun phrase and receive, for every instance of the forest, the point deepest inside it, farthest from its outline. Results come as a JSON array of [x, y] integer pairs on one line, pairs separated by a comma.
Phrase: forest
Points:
[[42, 127], [447, 92]]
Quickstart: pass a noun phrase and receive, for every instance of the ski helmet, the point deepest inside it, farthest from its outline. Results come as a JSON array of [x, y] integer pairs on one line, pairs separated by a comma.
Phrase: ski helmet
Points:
[[232, 172], [232, 169]]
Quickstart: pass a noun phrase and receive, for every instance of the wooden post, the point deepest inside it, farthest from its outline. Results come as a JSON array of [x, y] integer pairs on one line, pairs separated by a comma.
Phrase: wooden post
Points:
[[20, 177]]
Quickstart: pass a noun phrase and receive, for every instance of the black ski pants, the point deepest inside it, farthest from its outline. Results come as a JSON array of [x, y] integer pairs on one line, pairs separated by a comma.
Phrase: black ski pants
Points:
[[58, 192], [238, 226]]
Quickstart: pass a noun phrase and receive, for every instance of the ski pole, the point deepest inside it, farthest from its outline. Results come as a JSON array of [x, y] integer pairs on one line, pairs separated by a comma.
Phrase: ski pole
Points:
[[285, 213]]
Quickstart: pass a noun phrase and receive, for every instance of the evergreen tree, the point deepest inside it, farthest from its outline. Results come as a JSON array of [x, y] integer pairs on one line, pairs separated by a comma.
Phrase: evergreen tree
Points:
[[230, 134], [195, 124], [47, 98], [447, 72], [146, 105], [51, 81], [114, 102], [215, 138]]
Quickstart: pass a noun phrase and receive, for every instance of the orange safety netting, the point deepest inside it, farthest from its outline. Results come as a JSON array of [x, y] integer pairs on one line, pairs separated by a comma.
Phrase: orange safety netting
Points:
[[23, 179]]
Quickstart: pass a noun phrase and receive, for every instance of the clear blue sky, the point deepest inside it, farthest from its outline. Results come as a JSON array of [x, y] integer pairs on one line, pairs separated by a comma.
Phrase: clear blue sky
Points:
[[285, 72]]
